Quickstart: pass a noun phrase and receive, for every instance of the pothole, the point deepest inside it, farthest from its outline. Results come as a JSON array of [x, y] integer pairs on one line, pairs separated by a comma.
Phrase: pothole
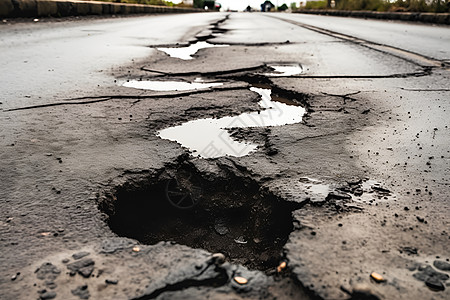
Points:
[[186, 53], [210, 138], [165, 86], [223, 212]]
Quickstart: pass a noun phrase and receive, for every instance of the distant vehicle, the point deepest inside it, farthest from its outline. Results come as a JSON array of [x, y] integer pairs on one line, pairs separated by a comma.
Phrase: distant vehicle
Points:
[[212, 5], [267, 6]]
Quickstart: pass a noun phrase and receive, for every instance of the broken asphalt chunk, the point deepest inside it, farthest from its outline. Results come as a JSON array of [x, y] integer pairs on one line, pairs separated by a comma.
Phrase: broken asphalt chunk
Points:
[[112, 245], [84, 267], [82, 292], [338, 195], [47, 295], [432, 278], [435, 284], [441, 265], [80, 255], [47, 271]]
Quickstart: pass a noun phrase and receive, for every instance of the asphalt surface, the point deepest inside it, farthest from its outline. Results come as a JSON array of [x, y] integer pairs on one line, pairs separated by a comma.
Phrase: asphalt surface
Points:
[[359, 186]]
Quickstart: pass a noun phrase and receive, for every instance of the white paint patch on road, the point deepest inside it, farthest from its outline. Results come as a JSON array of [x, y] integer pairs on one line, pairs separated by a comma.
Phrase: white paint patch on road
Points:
[[209, 138], [164, 86], [186, 53]]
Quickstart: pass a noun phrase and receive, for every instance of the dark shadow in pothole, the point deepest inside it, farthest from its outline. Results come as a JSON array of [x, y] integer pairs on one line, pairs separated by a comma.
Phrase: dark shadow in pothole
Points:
[[232, 215]]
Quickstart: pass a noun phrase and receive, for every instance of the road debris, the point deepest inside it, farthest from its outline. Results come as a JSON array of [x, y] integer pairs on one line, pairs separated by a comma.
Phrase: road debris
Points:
[[218, 258], [377, 277], [240, 280], [281, 266]]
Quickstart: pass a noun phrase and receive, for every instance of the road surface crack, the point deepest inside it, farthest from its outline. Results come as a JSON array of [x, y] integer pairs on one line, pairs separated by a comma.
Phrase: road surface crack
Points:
[[410, 56], [425, 72], [137, 98], [212, 73]]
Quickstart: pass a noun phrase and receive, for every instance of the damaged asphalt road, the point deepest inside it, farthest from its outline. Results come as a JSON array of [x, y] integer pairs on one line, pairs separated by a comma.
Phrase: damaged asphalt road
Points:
[[350, 201]]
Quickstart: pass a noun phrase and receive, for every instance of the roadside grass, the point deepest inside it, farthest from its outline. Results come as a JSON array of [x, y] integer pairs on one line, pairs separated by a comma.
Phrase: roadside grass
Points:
[[435, 6], [147, 2]]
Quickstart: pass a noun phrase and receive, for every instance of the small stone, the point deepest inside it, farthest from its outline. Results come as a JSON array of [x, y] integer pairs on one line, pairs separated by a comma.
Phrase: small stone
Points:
[[136, 249], [421, 220], [240, 280], [358, 192], [426, 272], [412, 267], [47, 295], [218, 259], [82, 292], [47, 271], [377, 277], [240, 240], [86, 271], [442, 265], [14, 277], [111, 281], [84, 267], [281, 266], [435, 284], [51, 285], [409, 250], [80, 255]]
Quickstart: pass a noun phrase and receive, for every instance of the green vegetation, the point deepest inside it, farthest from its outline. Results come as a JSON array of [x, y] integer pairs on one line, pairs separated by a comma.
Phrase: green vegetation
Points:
[[148, 2], [198, 3], [316, 5], [436, 6], [283, 7]]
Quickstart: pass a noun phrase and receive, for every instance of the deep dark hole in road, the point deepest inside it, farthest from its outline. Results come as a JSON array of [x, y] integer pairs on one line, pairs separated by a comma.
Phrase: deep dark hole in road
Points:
[[232, 215]]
